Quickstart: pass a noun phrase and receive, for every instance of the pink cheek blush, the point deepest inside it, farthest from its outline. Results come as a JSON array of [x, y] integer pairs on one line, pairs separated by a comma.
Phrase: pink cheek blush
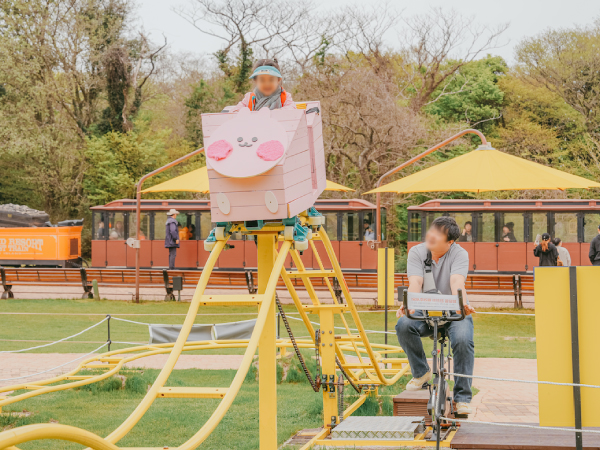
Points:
[[219, 150], [270, 151]]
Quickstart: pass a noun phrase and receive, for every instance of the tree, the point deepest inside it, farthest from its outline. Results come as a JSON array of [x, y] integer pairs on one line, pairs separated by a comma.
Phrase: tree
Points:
[[267, 28], [567, 62], [365, 130], [439, 44], [477, 97]]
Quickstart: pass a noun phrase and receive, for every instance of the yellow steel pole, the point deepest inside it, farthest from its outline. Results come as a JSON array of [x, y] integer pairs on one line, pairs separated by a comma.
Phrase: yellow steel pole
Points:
[[330, 399], [267, 347]]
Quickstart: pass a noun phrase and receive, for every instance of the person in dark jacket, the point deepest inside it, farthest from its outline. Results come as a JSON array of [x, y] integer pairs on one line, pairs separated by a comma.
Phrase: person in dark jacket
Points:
[[595, 249], [172, 236], [546, 251]]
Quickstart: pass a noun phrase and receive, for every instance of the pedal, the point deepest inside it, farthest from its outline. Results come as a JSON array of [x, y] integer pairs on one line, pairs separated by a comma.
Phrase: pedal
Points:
[[461, 416]]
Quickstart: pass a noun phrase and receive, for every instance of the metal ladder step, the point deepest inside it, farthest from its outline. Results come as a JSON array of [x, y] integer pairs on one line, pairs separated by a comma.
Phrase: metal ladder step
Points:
[[311, 273], [191, 392], [232, 300]]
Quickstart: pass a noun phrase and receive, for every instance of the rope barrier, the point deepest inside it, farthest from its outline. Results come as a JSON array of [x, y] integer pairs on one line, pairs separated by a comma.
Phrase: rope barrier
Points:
[[130, 321], [55, 342], [552, 383], [515, 425], [57, 367]]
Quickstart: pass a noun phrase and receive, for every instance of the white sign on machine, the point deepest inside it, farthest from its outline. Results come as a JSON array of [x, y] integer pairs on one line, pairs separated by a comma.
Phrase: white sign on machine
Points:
[[432, 302]]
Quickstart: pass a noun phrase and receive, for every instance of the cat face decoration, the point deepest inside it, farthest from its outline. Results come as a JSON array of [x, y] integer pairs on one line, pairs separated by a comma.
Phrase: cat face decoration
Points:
[[264, 164]]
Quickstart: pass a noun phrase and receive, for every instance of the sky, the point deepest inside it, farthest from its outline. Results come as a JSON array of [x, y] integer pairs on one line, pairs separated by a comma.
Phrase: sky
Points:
[[525, 18]]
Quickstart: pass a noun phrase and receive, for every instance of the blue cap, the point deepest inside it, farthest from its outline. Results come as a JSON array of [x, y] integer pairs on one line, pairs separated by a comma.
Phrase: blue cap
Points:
[[266, 70]]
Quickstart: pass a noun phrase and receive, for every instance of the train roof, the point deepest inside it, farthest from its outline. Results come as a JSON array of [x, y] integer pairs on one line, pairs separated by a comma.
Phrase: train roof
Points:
[[509, 205], [355, 204]]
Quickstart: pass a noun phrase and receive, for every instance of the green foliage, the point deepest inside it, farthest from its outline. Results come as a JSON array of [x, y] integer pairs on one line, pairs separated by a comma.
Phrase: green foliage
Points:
[[280, 372], [369, 408], [13, 418], [118, 160], [205, 97], [387, 406], [137, 383], [472, 94], [252, 374]]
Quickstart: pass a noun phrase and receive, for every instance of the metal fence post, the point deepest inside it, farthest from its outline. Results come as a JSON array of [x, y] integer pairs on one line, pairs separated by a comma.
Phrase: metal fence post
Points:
[[108, 331]]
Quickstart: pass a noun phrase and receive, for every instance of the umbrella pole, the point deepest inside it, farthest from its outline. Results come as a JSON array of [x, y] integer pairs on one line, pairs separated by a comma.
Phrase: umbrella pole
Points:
[[413, 160], [138, 211]]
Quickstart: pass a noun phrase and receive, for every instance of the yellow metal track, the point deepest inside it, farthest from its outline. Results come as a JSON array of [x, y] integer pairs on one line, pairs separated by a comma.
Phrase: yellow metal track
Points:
[[363, 362]]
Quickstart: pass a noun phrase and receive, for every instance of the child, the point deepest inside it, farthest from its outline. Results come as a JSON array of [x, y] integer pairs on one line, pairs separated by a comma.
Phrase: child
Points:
[[268, 92]]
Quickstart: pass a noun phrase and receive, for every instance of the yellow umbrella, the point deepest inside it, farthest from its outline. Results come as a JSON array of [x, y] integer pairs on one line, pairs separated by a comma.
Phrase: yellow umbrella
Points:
[[331, 186], [486, 169], [197, 181], [194, 181]]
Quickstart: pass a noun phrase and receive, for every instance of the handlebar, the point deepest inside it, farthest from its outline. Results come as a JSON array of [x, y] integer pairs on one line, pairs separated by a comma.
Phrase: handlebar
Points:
[[446, 317]]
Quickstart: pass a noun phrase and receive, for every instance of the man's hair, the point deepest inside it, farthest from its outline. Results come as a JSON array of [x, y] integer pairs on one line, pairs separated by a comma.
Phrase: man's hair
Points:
[[448, 226], [468, 222], [556, 241]]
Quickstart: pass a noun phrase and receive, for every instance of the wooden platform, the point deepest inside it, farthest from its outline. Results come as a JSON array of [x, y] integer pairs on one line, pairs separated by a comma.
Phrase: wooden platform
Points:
[[480, 437]]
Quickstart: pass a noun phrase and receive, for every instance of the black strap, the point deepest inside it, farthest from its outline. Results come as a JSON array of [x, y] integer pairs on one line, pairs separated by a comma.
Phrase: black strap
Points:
[[313, 110], [428, 261]]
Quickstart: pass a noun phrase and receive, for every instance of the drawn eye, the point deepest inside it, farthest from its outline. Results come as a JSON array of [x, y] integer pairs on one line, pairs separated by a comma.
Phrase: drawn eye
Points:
[[240, 139], [254, 139]]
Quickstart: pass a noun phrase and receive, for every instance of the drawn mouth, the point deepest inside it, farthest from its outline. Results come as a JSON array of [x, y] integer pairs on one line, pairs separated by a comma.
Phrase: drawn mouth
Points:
[[245, 144]]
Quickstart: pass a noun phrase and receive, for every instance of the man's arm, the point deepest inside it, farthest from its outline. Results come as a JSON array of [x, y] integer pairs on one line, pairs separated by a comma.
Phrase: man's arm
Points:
[[592, 253], [415, 284], [457, 282]]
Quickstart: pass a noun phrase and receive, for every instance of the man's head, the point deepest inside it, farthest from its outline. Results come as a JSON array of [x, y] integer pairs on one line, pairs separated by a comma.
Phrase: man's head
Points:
[[468, 226], [598, 229], [366, 225], [442, 234], [172, 213]]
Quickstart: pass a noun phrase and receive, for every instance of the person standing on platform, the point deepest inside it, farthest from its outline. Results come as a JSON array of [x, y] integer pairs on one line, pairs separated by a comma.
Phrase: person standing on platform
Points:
[[546, 251], [172, 236], [595, 249], [563, 254]]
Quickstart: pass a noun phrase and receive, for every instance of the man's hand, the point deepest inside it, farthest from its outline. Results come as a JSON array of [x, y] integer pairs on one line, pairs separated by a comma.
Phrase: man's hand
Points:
[[401, 312], [177, 241], [468, 310]]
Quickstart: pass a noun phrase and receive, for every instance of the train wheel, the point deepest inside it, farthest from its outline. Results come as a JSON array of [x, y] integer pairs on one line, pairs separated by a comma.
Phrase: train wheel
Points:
[[288, 233], [220, 233], [301, 245]]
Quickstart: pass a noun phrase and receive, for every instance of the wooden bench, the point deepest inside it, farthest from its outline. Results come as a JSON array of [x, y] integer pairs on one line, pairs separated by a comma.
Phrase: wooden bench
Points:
[[516, 285]]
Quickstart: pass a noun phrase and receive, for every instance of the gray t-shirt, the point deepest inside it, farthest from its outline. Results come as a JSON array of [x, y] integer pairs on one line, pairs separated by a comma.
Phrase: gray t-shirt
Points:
[[455, 261]]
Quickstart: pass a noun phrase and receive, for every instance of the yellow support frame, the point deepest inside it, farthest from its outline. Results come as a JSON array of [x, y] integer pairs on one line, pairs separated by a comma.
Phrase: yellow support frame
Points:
[[366, 368]]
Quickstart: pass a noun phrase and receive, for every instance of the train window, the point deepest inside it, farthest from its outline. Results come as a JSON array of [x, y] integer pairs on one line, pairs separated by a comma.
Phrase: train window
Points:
[[512, 227], [99, 225], [414, 227], [144, 226], [539, 225], [486, 227], [205, 225], [590, 226], [465, 223], [116, 226], [187, 226], [331, 225], [368, 231], [383, 224], [565, 226], [160, 221], [431, 216], [350, 227]]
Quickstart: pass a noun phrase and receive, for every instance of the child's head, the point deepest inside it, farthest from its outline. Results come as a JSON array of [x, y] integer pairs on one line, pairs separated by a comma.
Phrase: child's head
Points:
[[266, 76]]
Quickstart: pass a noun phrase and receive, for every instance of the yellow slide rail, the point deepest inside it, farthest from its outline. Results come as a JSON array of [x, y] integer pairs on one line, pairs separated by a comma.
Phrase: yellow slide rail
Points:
[[363, 362]]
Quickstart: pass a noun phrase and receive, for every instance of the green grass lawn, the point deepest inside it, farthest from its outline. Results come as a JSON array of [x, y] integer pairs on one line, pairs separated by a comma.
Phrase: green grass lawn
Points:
[[495, 336], [173, 421]]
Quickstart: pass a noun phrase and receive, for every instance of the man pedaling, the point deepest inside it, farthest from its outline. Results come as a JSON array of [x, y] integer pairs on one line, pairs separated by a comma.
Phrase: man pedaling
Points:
[[448, 262]]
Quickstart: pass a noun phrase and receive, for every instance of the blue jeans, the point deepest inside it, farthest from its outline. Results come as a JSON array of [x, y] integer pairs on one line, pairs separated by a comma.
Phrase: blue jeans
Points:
[[460, 333]]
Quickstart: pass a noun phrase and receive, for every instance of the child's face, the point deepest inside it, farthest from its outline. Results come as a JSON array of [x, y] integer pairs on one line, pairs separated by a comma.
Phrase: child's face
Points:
[[267, 84]]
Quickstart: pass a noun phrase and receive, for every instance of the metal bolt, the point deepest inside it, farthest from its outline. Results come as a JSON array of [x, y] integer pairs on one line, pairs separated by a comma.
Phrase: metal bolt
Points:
[[323, 344], [330, 332], [331, 345]]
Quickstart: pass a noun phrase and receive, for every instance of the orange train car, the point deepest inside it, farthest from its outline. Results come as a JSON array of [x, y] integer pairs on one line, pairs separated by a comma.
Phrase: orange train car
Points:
[[28, 238], [350, 225], [502, 232]]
